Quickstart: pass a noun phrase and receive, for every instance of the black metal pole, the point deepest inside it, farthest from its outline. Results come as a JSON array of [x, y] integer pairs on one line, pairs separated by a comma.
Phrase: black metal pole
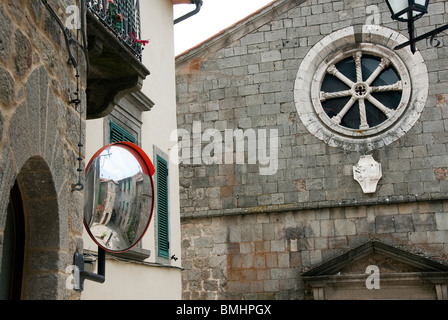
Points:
[[423, 36], [411, 31], [81, 274], [102, 262], [99, 277]]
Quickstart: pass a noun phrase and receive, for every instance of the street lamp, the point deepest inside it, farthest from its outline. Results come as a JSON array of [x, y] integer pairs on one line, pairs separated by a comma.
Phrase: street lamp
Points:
[[406, 10], [409, 11]]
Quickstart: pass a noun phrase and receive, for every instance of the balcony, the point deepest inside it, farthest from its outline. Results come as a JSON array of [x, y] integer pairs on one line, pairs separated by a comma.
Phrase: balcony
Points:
[[115, 53], [122, 18]]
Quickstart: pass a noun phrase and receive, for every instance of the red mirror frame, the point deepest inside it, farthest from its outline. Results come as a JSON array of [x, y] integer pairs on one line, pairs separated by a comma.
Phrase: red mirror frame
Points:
[[147, 168]]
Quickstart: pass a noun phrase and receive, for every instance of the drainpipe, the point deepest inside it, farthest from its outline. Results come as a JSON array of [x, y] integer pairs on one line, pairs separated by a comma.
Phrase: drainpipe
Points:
[[198, 4]]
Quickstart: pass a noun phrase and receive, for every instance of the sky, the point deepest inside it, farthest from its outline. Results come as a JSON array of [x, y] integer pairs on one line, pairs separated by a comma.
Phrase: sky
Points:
[[120, 165], [215, 16]]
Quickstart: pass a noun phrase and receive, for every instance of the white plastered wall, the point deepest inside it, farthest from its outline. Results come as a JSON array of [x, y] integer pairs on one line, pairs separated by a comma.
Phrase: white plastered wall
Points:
[[146, 280]]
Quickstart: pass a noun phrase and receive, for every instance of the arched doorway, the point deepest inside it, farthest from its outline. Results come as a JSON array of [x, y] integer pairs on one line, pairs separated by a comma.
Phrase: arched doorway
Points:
[[12, 253], [34, 244]]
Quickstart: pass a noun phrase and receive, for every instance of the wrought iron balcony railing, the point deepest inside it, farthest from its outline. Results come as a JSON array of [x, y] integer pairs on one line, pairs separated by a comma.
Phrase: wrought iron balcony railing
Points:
[[122, 17]]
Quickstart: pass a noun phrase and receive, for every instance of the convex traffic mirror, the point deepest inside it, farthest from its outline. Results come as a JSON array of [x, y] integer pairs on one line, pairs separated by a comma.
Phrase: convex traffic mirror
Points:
[[119, 199]]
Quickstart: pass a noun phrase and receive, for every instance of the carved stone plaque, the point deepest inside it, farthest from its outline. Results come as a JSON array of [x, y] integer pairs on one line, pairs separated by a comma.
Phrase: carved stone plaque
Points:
[[367, 172]]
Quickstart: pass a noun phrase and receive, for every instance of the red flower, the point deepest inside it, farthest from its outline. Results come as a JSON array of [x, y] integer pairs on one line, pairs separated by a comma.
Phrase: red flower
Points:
[[143, 42]]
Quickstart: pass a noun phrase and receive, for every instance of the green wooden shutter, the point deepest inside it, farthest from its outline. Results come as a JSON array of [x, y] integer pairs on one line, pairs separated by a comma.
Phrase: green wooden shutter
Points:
[[162, 207], [118, 134]]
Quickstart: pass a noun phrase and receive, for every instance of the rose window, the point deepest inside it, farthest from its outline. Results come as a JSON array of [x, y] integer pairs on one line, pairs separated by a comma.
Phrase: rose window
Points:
[[354, 91], [362, 92]]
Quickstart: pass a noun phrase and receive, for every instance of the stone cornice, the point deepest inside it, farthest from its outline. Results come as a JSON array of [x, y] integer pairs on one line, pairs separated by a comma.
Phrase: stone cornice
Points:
[[316, 205]]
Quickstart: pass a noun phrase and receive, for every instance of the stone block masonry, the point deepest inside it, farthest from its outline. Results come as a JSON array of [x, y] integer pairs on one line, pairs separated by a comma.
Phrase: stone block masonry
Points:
[[249, 236], [39, 136], [249, 85], [262, 256]]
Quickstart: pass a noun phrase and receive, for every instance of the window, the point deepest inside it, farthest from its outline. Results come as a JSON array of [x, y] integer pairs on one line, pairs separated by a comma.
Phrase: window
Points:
[[124, 123], [118, 134], [353, 91], [162, 208], [361, 92], [355, 97]]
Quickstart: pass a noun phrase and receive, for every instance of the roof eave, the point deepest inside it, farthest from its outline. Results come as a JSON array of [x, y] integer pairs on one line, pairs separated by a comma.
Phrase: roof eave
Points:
[[239, 29]]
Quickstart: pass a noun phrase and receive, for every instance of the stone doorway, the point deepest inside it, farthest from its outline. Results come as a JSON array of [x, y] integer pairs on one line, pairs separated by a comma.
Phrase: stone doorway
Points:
[[37, 273], [400, 275]]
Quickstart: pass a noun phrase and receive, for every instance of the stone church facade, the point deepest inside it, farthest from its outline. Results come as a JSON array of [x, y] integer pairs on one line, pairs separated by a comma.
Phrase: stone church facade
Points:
[[310, 150]]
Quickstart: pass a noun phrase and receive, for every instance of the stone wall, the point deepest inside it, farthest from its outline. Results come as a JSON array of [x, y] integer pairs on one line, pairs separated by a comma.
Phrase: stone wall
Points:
[[262, 256], [248, 235], [249, 84], [39, 136]]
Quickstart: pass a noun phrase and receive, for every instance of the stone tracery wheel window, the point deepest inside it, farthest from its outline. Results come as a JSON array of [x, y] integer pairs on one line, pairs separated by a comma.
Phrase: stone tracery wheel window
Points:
[[360, 95], [362, 91]]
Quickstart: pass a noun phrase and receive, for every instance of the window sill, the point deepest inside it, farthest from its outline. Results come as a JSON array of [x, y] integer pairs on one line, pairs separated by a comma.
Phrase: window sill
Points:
[[137, 254]]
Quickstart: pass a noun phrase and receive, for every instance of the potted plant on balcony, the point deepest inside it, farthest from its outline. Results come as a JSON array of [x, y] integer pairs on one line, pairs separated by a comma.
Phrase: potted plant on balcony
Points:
[[115, 15]]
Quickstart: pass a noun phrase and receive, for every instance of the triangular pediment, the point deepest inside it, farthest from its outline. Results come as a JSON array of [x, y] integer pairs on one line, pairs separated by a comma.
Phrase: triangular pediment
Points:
[[398, 273], [388, 258]]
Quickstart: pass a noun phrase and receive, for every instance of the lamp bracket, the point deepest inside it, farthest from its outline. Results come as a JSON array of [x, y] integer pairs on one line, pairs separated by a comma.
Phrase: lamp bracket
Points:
[[430, 34]]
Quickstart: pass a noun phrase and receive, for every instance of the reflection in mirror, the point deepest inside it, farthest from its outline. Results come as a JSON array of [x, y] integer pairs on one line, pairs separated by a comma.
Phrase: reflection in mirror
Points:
[[119, 199]]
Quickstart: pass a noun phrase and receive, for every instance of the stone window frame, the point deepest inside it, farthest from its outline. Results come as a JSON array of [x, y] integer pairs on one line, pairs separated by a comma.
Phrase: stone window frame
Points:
[[379, 41], [127, 115]]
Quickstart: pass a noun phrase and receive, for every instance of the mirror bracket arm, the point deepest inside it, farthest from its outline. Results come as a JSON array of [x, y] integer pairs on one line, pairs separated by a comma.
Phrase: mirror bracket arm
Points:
[[80, 275]]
